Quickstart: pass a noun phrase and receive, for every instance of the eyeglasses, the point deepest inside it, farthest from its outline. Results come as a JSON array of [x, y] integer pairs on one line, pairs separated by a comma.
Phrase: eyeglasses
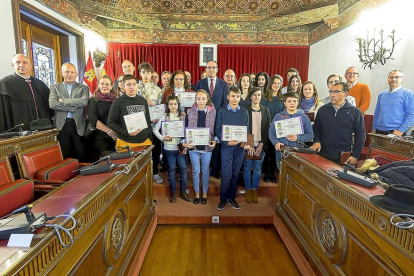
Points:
[[211, 68], [105, 84], [395, 77], [229, 76], [333, 82], [350, 74], [335, 91], [178, 79]]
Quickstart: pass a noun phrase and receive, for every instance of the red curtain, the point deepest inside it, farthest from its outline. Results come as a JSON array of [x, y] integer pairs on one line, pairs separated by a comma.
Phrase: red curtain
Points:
[[240, 58], [263, 58]]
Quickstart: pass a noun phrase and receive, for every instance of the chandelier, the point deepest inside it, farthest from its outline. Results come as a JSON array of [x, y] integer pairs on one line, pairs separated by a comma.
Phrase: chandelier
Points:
[[373, 51]]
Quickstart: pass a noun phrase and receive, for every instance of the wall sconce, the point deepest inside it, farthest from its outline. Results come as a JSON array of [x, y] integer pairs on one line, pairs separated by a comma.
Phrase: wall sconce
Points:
[[373, 51], [98, 57]]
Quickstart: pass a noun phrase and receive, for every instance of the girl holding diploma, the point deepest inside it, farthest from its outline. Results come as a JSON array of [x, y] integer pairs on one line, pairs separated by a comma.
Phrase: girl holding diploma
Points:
[[291, 111], [259, 122], [171, 150], [202, 114]]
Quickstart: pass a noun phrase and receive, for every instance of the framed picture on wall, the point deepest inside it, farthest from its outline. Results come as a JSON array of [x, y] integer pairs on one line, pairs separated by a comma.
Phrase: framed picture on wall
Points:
[[207, 52]]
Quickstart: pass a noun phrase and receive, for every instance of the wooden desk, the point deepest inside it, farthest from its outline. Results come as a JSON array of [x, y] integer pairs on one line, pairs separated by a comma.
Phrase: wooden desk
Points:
[[392, 147], [12, 145], [335, 225], [113, 212]]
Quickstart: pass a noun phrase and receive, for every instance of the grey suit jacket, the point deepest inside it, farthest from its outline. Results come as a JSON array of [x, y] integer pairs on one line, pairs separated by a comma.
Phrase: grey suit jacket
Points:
[[75, 104]]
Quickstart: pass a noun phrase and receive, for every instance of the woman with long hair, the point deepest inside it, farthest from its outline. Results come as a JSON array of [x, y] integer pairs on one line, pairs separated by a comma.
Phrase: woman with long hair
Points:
[[120, 85], [309, 100], [201, 115], [294, 84], [178, 83], [273, 100], [259, 123], [262, 78], [103, 139], [171, 150], [244, 85]]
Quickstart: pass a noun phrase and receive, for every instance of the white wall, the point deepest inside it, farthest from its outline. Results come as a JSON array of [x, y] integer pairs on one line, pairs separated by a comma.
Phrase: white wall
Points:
[[337, 52]]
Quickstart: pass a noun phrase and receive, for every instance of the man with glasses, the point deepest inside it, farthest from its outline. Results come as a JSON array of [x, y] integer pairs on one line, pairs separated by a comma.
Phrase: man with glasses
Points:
[[218, 91], [360, 91], [165, 79], [394, 113], [335, 125], [230, 78], [333, 79], [190, 84]]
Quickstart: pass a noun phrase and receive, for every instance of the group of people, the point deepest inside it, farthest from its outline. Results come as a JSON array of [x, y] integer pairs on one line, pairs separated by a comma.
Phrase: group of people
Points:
[[333, 126]]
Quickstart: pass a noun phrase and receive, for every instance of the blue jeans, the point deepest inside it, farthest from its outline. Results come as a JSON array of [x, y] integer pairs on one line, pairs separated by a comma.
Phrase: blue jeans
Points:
[[173, 157], [205, 164], [278, 157], [249, 181], [231, 161]]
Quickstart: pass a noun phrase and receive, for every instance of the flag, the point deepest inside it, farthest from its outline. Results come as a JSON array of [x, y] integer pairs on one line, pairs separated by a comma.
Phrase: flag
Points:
[[90, 76], [107, 69]]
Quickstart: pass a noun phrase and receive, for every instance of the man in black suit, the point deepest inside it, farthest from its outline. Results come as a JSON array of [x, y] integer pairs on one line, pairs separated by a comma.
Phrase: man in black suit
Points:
[[218, 92]]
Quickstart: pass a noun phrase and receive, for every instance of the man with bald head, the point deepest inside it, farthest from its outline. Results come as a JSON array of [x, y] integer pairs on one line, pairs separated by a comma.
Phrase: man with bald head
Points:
[[69, 100], [23, 98], [128, 67], [230, 78]]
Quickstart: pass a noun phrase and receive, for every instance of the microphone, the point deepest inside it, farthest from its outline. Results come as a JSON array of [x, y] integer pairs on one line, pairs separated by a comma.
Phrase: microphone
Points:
[[13, 128], [22, 209]]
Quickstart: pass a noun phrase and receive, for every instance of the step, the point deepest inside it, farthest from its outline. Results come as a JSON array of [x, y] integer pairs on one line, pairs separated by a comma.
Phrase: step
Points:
[[186, 213], [163, 189]]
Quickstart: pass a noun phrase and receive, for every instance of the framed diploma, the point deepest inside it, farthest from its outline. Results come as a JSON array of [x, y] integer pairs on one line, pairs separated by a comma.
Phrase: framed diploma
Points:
[[289, 126], [135, 121], [187, 99], [197, 136], [173, 128], [234, 133], [156, 111]]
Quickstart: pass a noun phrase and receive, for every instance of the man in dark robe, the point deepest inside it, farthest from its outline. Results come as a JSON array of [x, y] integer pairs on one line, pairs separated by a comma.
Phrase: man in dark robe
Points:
[[23, 98]]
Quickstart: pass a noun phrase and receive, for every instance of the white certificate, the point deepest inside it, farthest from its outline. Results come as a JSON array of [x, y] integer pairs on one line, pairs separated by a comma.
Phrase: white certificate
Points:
[[173, 128], [292, 126], [197, 136], [156, 111], [234, 133], [187, 99], [135, 121]]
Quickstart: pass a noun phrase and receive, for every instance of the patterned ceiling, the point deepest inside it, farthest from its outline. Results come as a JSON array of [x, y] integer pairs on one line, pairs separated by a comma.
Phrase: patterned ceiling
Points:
[[284, 22]]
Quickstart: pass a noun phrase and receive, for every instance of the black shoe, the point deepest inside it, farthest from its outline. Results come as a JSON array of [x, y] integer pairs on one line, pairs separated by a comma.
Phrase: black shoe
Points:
[[233, 204], [221, 205], [266, 178], [196, 200], [216, 175], [204, 200], [272, 178], [163, 169]]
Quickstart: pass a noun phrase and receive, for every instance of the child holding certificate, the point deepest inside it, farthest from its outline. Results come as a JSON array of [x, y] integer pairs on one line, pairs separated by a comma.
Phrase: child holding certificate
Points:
[[304, 126], [171, 150], [232, 155], [201, 115]]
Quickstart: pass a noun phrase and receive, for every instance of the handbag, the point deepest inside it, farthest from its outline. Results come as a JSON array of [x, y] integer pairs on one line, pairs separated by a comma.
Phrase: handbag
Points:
[[90, 130]]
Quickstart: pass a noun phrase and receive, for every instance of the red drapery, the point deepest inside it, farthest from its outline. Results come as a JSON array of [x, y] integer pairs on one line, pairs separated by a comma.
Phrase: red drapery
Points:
[[240, 58]]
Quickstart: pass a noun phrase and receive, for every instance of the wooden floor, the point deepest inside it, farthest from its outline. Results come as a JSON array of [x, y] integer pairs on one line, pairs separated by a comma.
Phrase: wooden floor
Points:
[[243, 250]]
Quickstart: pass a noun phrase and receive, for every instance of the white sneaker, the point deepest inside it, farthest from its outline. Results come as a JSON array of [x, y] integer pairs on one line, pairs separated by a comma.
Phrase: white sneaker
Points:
[[157, 178]]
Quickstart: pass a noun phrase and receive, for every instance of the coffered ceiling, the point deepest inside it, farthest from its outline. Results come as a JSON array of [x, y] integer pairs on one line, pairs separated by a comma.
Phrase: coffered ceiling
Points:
[[283, 22]]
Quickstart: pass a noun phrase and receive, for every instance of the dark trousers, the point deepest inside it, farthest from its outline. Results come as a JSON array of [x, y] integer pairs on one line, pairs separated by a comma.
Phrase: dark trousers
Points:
[[231, 162], [333, 157], [216, 159], [156, 152], [269, 162], [72, 145], [384, 132]]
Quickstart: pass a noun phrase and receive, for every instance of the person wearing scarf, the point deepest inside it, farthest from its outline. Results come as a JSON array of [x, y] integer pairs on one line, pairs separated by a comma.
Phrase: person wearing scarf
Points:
[[309, 98], [103, 138]]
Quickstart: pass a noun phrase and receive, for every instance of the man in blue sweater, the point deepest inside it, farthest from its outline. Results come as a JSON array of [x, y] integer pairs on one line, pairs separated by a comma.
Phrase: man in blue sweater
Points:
[[394, 113], [232, 155], [335, 125]]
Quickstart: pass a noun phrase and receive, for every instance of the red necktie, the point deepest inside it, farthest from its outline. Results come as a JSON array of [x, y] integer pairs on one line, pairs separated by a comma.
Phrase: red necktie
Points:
[[33, 95], [212, 88]]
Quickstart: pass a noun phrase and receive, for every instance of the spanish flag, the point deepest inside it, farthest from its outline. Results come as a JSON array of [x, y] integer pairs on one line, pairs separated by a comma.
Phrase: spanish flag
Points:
[[90, 76], [107, 69]]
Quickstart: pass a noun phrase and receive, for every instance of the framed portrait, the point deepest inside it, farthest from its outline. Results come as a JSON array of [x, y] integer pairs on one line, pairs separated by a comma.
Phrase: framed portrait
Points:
[[207, 52]]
